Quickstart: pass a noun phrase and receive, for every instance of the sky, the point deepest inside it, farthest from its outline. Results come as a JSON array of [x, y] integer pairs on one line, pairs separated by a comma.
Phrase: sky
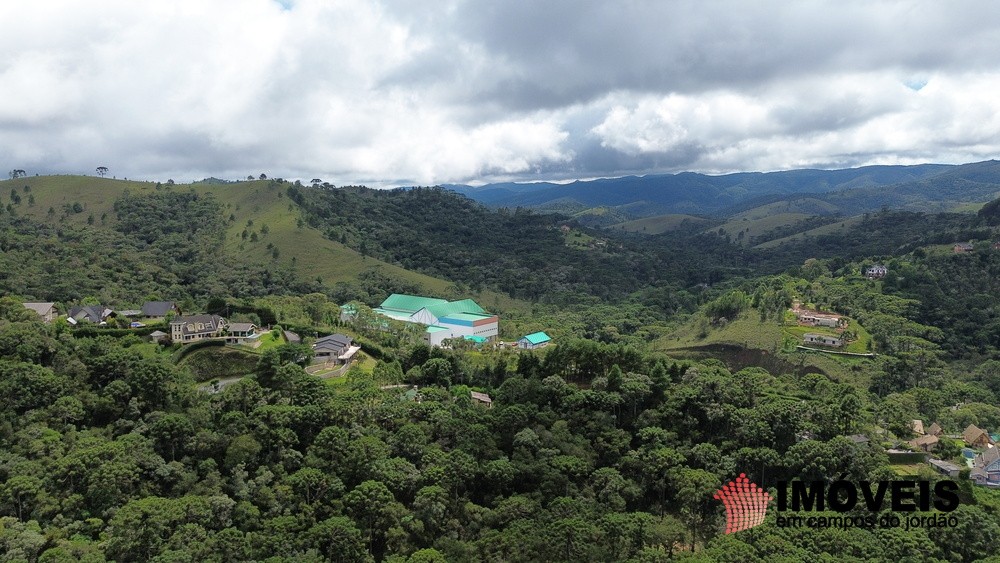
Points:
[[389, 93]]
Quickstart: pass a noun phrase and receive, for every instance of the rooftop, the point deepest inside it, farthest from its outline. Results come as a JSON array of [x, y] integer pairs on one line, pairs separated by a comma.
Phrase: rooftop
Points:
[[40, 308], [450, 308], [411, 303], [537, 337], [467, 316]]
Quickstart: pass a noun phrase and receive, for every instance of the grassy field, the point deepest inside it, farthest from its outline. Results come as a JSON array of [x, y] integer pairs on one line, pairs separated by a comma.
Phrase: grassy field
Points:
[[831, 228], [747, 331], [967, 208], [660, 223], [260, 203], [758, 226], [794, 332], [578, 239], [808, 206], [747, 339], [909, 470]]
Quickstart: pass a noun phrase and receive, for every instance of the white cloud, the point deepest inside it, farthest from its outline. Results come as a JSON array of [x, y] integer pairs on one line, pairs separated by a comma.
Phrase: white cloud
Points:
[[382, 92]]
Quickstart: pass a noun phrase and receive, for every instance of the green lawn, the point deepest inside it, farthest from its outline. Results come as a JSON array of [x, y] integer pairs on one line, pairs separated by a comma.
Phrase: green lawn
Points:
[[794, 334], [909, 470], [747, 330]]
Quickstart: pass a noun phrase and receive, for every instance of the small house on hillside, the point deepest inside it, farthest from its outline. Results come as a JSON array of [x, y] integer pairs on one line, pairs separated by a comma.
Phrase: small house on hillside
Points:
[[193, 328], [292, 338], [945, 467], [337, 348], [986, 468], [876, 272], [158, 310], [918, 426], [816, 319], [823, 340], [976, 437], [481, 398], [47, 311], [935, 429], [241, 333], [158, 336], [534, 340], [963, 247], [925, 443], [91, 314]]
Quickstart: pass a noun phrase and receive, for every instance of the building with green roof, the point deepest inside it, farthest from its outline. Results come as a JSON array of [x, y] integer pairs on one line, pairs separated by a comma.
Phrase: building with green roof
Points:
[[534, 340], [458, 318]]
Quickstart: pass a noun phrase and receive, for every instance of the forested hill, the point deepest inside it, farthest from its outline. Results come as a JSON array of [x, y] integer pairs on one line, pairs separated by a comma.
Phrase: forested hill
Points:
[[525, 254], [249, 239], [607, 445], [84, 236]]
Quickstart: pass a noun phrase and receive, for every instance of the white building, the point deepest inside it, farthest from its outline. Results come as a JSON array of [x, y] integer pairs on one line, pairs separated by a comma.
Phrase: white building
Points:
[[193, 328], [444, 319], [823, 339]]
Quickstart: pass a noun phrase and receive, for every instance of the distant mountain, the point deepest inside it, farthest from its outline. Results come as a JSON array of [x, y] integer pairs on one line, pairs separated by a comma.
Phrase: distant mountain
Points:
[[694, 193]]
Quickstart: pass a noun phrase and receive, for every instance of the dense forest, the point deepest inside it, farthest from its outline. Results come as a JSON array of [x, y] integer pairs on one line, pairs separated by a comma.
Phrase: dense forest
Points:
[[593, 452], [606, 446]]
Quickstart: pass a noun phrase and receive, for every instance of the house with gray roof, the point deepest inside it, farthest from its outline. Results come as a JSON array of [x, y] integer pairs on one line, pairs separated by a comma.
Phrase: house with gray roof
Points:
[[334, 348], [96, 314], [481, 398], [946, 467], [47, 311], [241, 333], [158, 310], [194, 328], [986, 468], [822, 340]]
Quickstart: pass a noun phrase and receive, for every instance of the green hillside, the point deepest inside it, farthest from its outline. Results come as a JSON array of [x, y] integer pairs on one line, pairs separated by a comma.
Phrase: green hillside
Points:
[[253, 205], [831, 228], [809, 206], [660, 223], [745, 230]]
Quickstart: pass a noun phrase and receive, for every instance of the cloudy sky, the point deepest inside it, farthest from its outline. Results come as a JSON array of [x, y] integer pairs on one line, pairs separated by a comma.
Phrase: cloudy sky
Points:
[[401, 92]]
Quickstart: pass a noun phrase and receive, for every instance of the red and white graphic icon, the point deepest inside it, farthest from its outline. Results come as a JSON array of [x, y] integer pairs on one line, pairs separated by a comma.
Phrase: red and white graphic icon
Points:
[[745, 502]]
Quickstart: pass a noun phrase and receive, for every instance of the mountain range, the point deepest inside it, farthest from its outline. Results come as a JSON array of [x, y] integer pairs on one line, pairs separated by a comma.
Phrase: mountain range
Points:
[[923, 187]]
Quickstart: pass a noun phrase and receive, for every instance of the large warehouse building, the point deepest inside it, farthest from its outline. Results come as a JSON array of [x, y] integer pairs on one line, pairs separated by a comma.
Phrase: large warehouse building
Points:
[[444, 319]]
